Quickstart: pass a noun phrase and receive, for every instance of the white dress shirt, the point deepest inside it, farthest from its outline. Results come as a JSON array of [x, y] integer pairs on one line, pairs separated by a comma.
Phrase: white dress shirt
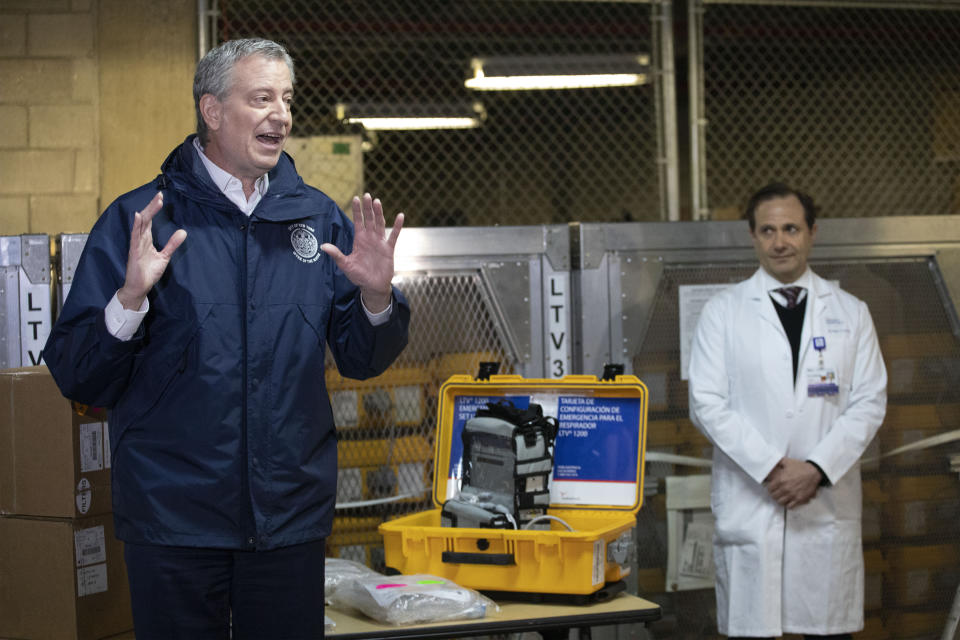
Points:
[[772, 284]]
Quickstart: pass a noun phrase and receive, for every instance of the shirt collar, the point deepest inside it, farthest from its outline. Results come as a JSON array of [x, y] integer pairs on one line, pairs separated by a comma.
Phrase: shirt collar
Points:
[[770, 284], [230, 185]]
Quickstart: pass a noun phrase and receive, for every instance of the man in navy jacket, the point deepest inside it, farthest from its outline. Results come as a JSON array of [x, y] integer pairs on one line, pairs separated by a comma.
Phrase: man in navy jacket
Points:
[[200, 314]]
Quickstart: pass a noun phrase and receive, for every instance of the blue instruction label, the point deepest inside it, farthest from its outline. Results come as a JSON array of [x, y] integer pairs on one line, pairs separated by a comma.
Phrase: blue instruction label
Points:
[[598, 439]]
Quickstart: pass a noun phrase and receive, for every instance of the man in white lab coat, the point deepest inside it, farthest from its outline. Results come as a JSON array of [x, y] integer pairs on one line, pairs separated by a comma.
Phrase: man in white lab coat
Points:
[[787, 382]]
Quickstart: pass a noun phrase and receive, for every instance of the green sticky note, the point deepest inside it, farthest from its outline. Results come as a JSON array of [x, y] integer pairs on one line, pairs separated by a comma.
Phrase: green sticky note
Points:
[[341, 148]]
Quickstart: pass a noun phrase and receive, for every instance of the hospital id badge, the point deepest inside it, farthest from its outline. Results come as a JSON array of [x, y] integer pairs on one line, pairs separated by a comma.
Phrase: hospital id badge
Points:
[[822, 382]]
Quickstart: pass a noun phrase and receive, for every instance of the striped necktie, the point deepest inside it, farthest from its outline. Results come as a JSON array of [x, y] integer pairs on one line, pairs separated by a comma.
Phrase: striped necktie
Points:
[[790, 294]]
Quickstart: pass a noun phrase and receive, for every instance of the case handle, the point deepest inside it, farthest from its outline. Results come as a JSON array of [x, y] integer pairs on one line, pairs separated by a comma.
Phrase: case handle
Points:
[[460, 557]]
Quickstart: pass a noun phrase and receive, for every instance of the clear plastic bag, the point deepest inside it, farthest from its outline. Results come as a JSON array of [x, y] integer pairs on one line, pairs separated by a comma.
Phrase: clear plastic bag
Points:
[[337, 572], [412, 599]]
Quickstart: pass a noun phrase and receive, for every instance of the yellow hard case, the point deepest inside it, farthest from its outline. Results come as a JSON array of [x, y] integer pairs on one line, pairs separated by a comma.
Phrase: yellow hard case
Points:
[[557, 561]]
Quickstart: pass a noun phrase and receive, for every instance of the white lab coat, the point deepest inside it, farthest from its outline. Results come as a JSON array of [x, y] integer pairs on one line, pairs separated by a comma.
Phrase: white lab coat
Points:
[[799, 570]]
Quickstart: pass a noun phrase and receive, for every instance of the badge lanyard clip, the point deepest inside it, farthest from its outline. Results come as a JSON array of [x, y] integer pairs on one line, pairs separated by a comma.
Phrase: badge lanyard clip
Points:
[[821, 382], [820, 344]]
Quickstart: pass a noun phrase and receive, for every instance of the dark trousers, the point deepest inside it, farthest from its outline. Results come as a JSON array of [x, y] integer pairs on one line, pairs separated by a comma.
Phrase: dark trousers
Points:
[[839, 636], [181, 592]]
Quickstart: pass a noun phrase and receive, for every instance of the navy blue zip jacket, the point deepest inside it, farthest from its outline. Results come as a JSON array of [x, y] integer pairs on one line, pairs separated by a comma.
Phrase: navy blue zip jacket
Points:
[[221, 431]]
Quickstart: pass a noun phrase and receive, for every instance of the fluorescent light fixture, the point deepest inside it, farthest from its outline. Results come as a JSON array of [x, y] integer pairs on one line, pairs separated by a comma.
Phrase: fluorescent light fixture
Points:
[[411, 116], [519, 73]]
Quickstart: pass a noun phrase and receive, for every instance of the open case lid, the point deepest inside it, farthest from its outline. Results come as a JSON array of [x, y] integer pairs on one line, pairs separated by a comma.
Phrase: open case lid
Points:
[[599, 450]]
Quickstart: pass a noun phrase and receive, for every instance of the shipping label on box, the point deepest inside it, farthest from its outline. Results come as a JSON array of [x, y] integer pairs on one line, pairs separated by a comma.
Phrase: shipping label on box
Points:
[[91, 580], [91, 447], [91, 553], [90, 546]]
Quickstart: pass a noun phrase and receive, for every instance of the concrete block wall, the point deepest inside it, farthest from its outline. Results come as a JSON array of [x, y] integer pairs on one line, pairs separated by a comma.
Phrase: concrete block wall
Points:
[[93, 96], [148, 52], [49, 107]]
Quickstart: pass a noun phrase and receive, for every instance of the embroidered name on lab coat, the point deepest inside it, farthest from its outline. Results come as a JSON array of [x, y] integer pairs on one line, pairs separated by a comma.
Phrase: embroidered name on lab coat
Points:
[[836, 325]]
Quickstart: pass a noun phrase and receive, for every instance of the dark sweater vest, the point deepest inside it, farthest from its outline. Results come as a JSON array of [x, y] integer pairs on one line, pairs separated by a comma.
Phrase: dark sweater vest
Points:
[[792, 321]]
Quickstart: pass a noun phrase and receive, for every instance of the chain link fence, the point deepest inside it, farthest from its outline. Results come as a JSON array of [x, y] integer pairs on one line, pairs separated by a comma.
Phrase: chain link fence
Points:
[[857, 105], [547, 156], [854, 102]]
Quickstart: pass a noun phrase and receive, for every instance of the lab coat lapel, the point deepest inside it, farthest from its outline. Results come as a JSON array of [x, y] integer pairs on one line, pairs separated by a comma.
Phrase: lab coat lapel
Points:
[[766, 313], [765, 310], [819, 299]]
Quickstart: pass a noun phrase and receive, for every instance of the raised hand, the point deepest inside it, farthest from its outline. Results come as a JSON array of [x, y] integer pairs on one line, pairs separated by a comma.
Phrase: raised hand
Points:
[[145, 264], [369, 264]]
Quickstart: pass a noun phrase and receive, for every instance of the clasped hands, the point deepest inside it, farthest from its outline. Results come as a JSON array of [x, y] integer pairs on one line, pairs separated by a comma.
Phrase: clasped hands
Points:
[[793, 483]]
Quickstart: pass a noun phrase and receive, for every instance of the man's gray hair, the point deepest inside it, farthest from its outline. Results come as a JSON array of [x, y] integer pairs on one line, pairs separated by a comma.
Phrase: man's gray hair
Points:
[[214, 71]]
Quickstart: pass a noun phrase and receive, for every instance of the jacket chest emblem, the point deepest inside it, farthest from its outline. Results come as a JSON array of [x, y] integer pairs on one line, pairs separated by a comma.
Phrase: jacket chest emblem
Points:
[[304, 243]]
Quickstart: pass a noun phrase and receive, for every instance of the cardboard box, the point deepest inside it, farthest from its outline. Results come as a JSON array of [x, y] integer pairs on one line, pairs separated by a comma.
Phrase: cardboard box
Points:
[[54, 460], [62, 579]]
